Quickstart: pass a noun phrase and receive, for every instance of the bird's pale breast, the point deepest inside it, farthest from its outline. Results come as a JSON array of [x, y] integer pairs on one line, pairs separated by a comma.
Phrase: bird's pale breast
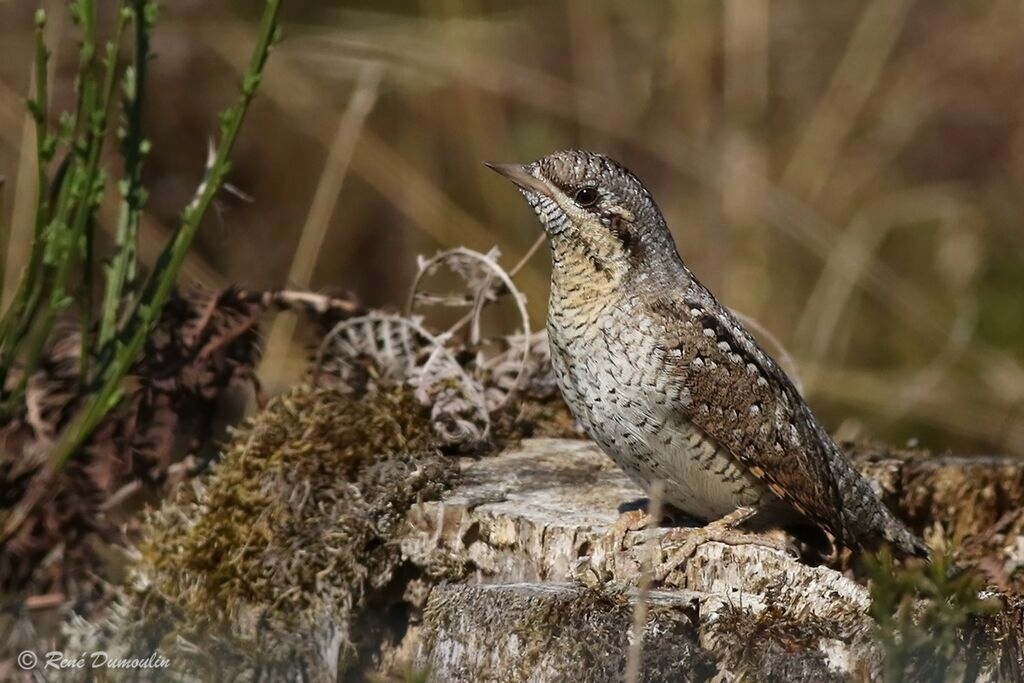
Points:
[[612, 374]]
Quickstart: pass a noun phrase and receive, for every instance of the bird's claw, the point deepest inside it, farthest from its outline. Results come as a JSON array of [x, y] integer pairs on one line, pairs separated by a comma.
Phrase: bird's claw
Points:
[[723, 530]]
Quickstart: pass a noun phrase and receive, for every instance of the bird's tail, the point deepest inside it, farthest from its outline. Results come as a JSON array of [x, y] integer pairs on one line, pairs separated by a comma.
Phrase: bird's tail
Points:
[[869, 523], [886, 530], [903, 541]]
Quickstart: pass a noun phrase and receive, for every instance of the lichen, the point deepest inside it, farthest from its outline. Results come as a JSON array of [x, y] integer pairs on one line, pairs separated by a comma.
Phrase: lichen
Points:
[[774, 644], [263, 567], [559, 629]]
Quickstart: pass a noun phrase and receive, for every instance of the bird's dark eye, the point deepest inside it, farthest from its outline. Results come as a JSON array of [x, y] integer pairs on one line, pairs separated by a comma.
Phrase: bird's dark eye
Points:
[[586, 196]]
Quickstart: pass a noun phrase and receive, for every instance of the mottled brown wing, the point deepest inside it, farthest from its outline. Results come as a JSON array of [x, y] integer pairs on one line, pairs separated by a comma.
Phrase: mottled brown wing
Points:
[[742, 399]]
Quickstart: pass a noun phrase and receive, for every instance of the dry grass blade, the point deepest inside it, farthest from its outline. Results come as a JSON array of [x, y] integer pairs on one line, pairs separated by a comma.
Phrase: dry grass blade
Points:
[[651, 553], [832, 294], [967, 416], [22, 211], [807, 226], [852, 83], [325, 199], [746, 37], [375, 160]]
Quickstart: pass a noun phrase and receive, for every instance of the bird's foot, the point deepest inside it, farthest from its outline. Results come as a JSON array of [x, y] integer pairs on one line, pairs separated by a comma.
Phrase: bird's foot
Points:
[[722, 530], [633, 520]]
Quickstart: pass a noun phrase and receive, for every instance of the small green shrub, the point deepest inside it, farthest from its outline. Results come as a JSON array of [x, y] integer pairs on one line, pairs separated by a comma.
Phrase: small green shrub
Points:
[[921, 610], [114, 330]]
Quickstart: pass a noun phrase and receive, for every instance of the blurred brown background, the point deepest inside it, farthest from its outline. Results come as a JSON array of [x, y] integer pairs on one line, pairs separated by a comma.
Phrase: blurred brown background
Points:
[[850, 174]]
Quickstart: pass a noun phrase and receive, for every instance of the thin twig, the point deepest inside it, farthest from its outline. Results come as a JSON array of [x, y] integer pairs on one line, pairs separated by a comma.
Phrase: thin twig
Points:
[[478, 300], [785, 359], [514, 270], [494, 270]]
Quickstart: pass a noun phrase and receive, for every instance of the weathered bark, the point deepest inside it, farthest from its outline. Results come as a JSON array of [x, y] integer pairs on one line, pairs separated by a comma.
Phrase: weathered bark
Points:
[[526, 522], [542, 631], [550, 631]]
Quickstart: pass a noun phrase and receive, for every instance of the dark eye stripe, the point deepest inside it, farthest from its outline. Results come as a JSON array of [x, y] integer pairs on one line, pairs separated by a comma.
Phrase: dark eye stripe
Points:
[[619, 228]]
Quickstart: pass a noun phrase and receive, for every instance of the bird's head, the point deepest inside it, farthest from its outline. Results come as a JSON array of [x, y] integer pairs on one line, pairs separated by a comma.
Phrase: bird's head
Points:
[[592, 206]]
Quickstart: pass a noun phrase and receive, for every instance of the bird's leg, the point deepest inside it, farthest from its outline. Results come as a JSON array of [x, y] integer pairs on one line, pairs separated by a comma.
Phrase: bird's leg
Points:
[[733, 519], [722, 530]]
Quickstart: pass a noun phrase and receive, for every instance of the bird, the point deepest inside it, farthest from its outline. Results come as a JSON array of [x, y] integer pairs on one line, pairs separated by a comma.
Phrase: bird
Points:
[[668, 382]]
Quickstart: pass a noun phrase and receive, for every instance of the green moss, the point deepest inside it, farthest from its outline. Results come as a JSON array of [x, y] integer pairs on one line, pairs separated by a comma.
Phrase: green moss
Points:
[[265, 565]]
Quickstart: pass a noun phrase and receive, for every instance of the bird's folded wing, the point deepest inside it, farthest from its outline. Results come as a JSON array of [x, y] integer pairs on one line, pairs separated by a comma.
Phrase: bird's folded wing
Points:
[[742, 399]]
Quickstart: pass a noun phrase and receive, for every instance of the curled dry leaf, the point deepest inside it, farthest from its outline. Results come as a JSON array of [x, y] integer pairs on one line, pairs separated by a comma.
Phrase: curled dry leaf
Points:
[[449, 371]]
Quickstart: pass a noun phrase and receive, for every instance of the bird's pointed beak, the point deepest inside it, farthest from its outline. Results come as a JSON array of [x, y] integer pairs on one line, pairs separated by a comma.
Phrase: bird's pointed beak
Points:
[[519, 175]]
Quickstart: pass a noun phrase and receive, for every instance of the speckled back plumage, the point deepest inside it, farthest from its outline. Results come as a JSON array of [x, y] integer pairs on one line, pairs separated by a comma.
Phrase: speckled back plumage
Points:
[[666, 380]]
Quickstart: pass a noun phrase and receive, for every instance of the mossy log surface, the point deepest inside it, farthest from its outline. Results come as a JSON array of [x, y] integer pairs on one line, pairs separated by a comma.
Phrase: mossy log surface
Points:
[[516, 567], [537, 582]]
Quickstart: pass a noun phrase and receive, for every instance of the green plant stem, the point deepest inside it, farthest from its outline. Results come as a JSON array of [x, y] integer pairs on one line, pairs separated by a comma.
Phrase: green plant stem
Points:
[[5, 239], [39, 332], [122, 270], [95, 180], [50, 234], [163, 278], [81, 193], [86, 303], [14, 316]]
